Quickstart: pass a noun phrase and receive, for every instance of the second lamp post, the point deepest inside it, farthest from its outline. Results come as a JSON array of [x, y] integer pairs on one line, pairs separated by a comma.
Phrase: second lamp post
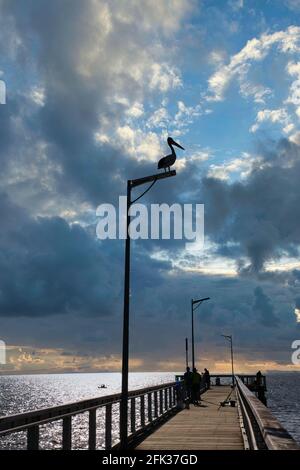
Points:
[[193, 303]]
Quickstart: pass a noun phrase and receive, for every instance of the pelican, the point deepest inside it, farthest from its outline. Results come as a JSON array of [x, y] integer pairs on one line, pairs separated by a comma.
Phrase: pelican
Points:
[[169, 160]]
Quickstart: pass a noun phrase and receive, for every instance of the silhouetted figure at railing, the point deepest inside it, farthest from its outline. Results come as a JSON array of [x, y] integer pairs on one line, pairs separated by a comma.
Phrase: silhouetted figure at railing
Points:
[[196, 385], [206, 377], [169, 160], [187, 382], [258, 378]]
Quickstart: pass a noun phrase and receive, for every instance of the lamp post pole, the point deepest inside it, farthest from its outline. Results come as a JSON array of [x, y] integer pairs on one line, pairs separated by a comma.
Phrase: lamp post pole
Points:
[[231, 351], [186, 352], [197, 303], [125, 352], [229, 338], [125, 349]]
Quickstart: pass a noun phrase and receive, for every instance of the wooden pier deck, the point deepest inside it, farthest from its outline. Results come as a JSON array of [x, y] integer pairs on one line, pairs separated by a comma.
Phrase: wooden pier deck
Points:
[[200, 428]]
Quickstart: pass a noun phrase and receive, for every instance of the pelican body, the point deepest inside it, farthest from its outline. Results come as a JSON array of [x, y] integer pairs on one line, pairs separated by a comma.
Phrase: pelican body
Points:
[[169, 160]]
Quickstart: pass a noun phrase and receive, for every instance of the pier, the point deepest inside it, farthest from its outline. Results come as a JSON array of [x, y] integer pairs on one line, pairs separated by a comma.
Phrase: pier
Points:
[[158, 420]]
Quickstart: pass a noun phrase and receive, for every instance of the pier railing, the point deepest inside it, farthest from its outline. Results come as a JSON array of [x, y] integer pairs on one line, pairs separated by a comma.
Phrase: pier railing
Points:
[[147, 407], [94, 423], [264, 431]]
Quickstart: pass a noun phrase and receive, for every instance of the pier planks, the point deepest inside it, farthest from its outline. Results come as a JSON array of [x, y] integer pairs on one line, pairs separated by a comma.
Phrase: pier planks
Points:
[[200, 428]]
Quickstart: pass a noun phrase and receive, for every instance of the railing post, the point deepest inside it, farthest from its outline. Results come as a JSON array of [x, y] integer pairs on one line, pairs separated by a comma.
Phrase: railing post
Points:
[[174, 395], [33, 438], [132, 415], [155, 405], [67, 433], [92, 429], [108, 409], [166, 398], [170, 397], [150, 407], [161, 408], [142, 411]]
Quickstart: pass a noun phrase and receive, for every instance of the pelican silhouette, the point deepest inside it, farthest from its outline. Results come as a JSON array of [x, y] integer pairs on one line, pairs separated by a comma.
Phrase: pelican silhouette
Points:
[[169, 160]]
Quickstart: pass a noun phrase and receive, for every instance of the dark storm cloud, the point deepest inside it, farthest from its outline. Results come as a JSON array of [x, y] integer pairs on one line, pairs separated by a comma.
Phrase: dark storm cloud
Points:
[[264, 308], [48, 267], [262, 214], [70, 288]]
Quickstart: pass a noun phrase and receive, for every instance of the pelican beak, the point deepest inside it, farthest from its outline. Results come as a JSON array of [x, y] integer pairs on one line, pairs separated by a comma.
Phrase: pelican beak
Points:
[[177, 145]]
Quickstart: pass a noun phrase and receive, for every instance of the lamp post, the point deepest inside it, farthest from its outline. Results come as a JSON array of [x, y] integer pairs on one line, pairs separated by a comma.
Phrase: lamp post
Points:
[[229, 338], [186, 352], [193, 303], [125, 353]]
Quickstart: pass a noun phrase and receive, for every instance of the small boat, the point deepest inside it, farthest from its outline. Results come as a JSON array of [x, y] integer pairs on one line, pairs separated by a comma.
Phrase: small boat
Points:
[[102, 386]]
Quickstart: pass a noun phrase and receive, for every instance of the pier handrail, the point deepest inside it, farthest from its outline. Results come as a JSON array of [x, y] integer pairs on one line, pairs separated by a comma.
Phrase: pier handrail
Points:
[[161, 399], [260, 418]]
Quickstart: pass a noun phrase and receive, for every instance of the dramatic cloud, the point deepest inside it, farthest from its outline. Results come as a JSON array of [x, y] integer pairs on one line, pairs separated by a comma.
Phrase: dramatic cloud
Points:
[[94, 87], [90, 76], [49, 267], [260, 214]]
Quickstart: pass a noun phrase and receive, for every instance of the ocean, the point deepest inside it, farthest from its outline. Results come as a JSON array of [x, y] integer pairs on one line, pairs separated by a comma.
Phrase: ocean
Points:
[[20, 393]]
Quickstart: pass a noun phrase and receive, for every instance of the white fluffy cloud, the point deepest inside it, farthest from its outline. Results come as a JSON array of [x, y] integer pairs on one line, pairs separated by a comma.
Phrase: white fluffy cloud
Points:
[[255, 50], [294, 95], [239, 167], [138, 144], [280, 116]]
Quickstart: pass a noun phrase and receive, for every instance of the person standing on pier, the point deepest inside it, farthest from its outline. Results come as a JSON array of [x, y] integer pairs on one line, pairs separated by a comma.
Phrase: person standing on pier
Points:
[[196, 384], [258, 378], [206, 377], [187, 381]]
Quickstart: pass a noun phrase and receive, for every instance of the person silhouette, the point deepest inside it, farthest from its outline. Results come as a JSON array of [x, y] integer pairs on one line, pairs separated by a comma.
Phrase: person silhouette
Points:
[[187, 381], [206, 377], [196, 384]]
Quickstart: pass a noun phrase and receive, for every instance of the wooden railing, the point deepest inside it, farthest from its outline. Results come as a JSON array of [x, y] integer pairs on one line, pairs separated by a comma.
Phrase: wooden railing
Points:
[[264, 431], [146, 407], [224, 379]]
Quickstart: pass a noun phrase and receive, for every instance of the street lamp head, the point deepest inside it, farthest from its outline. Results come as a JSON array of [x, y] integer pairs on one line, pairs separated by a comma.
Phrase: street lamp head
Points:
[[229, 337], [200, 300]]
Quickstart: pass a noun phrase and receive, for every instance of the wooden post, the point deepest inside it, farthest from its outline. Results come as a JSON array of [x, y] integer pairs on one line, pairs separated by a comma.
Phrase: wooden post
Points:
[[33, 438], [170, 397], [142, 411], [132, 415], [67, 433], [161, 408], [149, 407], [155, 405], [166, 398], [108, 426], [92, 429]]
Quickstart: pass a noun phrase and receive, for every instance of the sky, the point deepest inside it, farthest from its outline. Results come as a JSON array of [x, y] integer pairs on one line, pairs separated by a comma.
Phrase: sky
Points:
[[94, 88]]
